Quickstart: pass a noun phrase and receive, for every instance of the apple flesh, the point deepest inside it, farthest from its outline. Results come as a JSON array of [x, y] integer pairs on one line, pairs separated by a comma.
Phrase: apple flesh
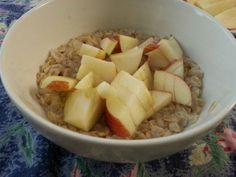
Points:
[[215, 7], [92, 51], [108, 45], [118, 117], [105, 90], [128, 61], [127, 42], [161, 99], [137, 112], [176, 68], [144, 74], [58, 83], [157, 60], [148, 45], [83, 108], [171, 49], [86, 82], [165, 81], [103, 70], [135, 86], [228, 18]]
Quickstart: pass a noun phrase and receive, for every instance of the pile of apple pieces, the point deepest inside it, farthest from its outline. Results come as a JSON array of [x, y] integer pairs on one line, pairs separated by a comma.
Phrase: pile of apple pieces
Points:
[[223, 10], [116, 84]]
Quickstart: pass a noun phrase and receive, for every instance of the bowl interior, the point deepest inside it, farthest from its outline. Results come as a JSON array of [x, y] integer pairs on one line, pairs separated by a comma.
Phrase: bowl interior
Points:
[[29, 40]]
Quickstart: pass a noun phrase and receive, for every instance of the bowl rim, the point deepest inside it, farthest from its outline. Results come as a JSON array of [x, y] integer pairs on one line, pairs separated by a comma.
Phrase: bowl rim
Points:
[[33, 117]]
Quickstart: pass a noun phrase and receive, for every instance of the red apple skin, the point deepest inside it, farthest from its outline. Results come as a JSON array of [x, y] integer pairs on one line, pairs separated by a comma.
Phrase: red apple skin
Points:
[[58, 86], [116, 126], [151, 47], [117, 49]]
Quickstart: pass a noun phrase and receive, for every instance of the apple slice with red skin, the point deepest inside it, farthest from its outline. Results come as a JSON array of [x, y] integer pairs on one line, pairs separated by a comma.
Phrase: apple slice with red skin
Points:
[[157, 60], [118, 117], [149, 45], [144, 74], [165, 81], [176, 68], [58, 83], [92, 51], [128, 61], [127, 42], [108, 45]]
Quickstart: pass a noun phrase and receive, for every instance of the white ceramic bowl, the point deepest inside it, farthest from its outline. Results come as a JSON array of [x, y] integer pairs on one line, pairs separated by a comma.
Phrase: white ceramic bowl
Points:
[[45, 27]]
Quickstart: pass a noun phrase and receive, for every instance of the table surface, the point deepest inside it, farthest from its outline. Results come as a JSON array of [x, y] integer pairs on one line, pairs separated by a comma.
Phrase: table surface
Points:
[[24, 152]]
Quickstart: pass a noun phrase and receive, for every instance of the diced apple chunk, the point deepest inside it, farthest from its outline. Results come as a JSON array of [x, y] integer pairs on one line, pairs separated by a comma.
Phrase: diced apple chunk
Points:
[[108, 45], [171, 49], [92, 51], [144, 74], [137, 112], [105, 90], [136, 87], [127, 42], [83, 108], [58, 83], [128, 61], [157, 60], [215, 7], [165, 81], [86, 82], [149, 45], [161, 99], [228, 18], [118, 117], [176, 68], [146, 42], [103, 70]]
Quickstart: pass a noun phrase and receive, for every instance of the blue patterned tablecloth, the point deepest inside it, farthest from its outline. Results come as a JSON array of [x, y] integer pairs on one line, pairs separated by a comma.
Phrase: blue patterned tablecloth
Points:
[[24, 152]]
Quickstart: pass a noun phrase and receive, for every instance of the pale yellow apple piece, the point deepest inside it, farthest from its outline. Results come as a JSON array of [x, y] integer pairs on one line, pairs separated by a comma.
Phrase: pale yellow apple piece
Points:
[[157, 60], [127, 42], [92, 51], [83, 108], [228, 18], [108, 45], [161, 99], [118, 117], [171, 49], [146, 43], [86, 82], [128, 61], [215, 7], [58, 83], [136, 87], [103, 70], [105, 90], [165, 81], [176, 68], [144, 74], [138, 113]]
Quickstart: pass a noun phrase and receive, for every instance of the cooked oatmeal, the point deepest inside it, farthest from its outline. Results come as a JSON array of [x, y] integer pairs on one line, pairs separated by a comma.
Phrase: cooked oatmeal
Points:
[[65, 61]]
